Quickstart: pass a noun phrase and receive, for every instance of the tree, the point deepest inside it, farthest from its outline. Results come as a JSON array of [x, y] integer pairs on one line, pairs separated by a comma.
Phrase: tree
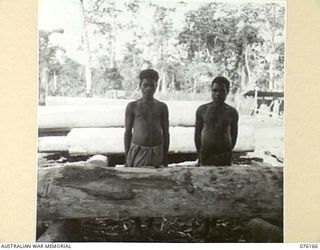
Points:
[[48, 61], [243, 42], [161, 33], [209, 36], [269, 20], [87, 51], [102, 17], [232, 39], [71, 77]]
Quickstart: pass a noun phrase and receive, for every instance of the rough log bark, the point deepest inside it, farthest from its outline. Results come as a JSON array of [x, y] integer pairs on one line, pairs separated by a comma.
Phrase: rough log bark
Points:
[[82, 191], [111, 114], [90, 141]]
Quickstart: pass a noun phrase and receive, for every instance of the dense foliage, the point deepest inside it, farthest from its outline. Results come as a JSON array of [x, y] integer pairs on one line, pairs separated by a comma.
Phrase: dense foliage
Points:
[[188, 47]]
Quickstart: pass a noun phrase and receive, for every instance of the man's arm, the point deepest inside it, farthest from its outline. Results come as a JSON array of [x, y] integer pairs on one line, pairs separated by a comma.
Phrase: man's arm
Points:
[[234, 128], [165, 132], [128, 128], [198, 129]]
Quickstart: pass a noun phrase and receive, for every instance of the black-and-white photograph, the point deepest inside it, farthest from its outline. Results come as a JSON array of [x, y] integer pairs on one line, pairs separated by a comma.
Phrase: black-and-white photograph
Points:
[[161, 121]]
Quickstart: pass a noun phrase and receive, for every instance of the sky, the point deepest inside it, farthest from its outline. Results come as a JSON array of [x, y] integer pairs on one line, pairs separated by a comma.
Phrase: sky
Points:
[[53, 14]]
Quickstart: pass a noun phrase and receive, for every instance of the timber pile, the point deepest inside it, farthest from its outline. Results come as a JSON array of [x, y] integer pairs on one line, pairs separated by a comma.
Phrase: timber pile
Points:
[[74, 101], [91, 141], [61, 118], [84, 191], [97, 127], [65, 118]]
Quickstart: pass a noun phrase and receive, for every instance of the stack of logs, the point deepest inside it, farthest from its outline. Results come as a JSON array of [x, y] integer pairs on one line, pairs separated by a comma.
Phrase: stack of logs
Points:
[[97, 129], [87, 190]]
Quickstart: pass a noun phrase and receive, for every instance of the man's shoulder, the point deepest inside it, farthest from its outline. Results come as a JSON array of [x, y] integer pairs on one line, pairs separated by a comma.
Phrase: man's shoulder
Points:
[[160, 103], [203, 107], [230, 108], [131, 105], [135, 102]]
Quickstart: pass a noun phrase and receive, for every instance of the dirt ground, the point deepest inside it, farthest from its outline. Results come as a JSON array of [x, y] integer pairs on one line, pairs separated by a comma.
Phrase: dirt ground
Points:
[[165, 230]]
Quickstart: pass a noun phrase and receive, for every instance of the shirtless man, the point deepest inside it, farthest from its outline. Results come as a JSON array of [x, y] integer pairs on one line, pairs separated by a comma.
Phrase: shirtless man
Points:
[[216, 127], [215, 136], [146, 138]]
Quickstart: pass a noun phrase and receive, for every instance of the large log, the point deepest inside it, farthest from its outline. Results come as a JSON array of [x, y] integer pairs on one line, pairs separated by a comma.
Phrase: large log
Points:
[[61, 118], [85, 101], [90, 141], [82, 191], [53, 144], [64, 118]]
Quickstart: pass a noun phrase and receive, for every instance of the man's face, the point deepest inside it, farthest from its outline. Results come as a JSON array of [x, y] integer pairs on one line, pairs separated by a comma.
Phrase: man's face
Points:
[[148, 87], [219, 93]]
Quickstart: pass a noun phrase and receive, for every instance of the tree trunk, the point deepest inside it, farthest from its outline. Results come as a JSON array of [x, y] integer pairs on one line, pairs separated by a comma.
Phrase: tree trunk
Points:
[[113, 46], [54, 79], [87, 52], [271, 79], [247, 68], [82, 191], [243, 79], [172, 87], [44, 85], [163, 81], [195, 83], [272, 60]]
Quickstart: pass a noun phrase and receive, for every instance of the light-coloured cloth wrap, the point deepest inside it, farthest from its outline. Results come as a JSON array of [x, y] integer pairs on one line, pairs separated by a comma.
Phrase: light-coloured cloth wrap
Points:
[[142, 156]]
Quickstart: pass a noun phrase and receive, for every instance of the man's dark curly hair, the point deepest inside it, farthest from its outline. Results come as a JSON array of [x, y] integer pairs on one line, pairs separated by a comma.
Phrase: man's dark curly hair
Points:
[[149, 74], [221, 80]]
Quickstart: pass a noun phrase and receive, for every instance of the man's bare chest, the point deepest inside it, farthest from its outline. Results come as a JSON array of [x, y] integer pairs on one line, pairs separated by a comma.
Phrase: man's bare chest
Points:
[[213, 117], [148, 112]]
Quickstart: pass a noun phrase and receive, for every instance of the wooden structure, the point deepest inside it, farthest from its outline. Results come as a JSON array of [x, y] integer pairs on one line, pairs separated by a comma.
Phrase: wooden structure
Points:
[[83, 191], [264, 100]]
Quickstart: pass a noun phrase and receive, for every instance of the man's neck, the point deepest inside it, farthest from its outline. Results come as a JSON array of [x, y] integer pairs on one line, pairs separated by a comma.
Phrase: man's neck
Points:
[[217, 105], [147, 100]]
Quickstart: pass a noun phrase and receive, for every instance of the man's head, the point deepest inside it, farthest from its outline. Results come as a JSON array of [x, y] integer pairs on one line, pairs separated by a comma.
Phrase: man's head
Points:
[[220, 89], [148, 82]]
